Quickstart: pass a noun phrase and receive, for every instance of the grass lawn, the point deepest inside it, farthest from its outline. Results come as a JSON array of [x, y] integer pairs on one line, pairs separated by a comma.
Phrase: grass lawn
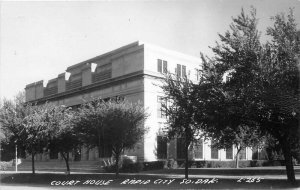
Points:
[[141, 180]]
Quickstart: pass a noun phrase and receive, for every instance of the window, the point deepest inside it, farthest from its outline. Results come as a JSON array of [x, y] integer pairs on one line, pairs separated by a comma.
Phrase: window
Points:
[[183, 71], [198, 149], [243, 154], [229, 153], [102, 73], [180, 148], [159, 65], [75, 81], [255, 153], [165, 64], [178, 70], [53, 151], [214, 152], [162, 147], [160, 110], [198, 74], [162, 66]]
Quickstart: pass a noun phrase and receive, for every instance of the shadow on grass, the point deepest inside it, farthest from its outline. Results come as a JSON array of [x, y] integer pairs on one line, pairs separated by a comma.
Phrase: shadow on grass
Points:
[[139, 181]]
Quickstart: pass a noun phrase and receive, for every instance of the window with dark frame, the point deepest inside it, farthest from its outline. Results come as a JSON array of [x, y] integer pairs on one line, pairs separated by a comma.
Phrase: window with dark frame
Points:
[[214, 152], [229, 153], [159, 65], [183, 71], [162, 146], [180, 148], [178, 70], [255, 153], [198, 149], [162, 66], [165, 65], [243, 154]]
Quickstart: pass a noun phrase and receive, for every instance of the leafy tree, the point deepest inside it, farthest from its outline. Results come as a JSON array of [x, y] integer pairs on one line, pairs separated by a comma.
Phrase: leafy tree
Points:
[[37, 126], [27, 125], [112, 126], [226, 95], [63, 134], [279, 81], [88, 124], [181, 110], [262, 87], [123, 122], [12, 113]]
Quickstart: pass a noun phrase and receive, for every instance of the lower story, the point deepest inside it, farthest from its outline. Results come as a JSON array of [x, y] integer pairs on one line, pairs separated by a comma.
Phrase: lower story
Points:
[[162, 150]]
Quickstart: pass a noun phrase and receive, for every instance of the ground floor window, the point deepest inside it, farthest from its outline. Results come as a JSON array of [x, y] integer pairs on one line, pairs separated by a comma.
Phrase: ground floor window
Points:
[[229, 153], [162, 146], [53, 151], [254, 153], [243, 154], [214, 154], [198, 149], [105, 151], [180, 148]]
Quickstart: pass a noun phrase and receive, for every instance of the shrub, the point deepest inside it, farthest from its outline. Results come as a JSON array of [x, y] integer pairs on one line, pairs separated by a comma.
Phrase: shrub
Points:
[[126, 167], [132, 167], [126, 160], [156, 165], [110, 168], [5, 165], [231, 163]]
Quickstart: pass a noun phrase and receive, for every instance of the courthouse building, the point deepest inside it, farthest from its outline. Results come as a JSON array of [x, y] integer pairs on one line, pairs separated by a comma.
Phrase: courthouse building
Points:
[[132, 72]]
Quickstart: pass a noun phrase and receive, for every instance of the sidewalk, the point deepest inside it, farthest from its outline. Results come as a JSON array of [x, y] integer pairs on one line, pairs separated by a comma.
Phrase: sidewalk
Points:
[[222, 173]]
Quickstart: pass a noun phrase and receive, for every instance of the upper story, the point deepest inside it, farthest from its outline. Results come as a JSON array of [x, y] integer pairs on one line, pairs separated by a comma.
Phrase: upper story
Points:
[[134, 60]]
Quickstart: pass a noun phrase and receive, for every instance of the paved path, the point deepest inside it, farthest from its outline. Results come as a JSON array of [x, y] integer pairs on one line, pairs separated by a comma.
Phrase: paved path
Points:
[[158, 179]]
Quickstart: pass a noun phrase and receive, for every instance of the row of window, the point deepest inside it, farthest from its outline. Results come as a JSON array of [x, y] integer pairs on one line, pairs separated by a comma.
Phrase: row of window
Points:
[[162, 67], [197, 148]]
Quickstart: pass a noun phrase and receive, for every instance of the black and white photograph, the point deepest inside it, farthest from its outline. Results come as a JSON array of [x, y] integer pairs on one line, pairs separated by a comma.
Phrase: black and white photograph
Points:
[[150, 94]]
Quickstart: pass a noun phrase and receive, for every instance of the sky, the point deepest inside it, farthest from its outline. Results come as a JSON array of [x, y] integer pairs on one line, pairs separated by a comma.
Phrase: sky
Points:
[[40, 39]]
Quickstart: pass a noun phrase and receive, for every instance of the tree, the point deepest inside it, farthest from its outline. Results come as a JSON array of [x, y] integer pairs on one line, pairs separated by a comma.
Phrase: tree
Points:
[[123, 126], [63, 134], [37, 126], [262, 87], [88, 124], [12, 113], [279, 81], [180, 95], [112, 126], [27, 125], [226, 94]]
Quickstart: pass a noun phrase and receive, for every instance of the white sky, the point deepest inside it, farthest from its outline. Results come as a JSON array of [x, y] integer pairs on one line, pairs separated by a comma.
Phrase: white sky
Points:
[[39, 39]]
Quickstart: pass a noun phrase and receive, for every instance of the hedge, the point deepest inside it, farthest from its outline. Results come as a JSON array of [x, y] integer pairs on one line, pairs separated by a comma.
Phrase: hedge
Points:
[[129, 167], [230, 164], [5, 165]]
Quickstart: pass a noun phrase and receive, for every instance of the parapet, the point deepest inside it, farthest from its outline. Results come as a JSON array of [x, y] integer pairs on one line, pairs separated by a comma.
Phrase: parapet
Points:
[[91, 71]]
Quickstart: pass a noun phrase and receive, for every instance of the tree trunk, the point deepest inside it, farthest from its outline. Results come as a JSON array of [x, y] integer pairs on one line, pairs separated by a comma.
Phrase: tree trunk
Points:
[[117, 165], [186, 170], [286, 148], [67, 161], [237, 158], [32, 162]]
